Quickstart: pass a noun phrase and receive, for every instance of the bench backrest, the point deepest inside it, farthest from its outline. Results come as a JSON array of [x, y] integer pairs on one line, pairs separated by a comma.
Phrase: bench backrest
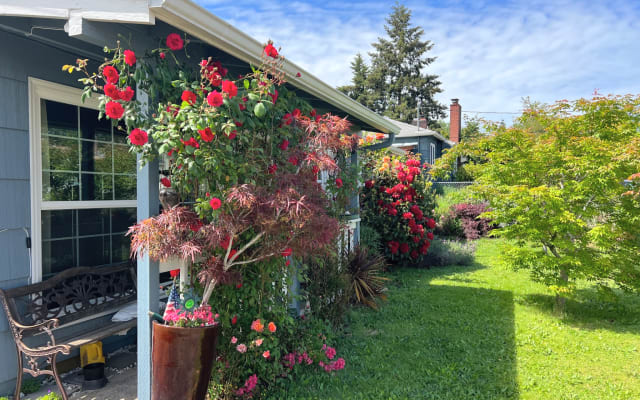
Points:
[[72, 294]]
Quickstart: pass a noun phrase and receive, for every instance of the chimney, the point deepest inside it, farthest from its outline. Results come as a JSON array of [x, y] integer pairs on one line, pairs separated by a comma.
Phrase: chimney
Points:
[[455, 121], [421, 123]]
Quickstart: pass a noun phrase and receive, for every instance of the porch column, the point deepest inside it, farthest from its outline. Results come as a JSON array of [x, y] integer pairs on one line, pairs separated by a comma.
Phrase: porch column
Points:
[[148, 275]]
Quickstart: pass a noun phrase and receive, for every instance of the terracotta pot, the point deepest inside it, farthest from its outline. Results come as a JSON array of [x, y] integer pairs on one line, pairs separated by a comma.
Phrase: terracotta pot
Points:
[[182, 361]]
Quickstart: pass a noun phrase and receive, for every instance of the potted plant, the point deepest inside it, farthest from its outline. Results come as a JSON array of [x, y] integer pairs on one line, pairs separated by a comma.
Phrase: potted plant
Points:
[[247, 153]]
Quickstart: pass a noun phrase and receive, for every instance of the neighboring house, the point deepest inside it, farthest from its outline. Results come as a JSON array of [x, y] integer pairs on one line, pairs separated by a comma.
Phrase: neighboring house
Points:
[[418, 139], [67, 181]]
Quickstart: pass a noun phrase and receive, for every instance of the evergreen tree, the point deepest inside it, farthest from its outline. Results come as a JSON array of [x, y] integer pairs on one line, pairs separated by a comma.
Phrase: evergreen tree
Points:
[[396, 82], [358, 90]]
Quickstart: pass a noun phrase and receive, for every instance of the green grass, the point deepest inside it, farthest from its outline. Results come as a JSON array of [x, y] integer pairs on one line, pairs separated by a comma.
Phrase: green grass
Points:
[[484, 332]]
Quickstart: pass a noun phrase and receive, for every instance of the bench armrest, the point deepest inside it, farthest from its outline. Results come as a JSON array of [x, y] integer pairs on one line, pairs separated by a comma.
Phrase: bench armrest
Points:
[[42, 326]]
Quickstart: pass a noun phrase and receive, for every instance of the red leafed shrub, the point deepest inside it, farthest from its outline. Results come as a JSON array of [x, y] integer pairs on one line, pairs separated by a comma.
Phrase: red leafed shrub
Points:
[[473, 226]]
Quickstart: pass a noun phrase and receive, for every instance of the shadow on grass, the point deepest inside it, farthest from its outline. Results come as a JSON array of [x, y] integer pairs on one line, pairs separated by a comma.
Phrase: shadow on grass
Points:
[[428, 342], [587, 310]]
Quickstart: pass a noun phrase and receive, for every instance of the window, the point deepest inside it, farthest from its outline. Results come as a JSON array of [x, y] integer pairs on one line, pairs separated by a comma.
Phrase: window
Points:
[[83, 183], [432, 153]]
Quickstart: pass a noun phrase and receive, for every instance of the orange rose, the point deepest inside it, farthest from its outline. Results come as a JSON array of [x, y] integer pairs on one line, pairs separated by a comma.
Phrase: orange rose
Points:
[[272, 327]]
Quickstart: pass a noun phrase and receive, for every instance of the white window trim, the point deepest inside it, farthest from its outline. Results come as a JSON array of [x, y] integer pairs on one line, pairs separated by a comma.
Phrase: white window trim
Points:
[[432, 153], [40, 89]]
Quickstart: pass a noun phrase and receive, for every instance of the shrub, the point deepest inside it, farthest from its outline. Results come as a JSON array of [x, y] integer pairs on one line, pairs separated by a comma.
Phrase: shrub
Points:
[[366, 282], [473, 226], [370, 238], [398, 202], [326, 287], [30, 385], [449, 252]]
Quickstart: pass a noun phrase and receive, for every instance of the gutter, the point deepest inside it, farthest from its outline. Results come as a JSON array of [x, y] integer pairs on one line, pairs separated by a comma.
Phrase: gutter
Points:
[[387, 143], [198, 22]]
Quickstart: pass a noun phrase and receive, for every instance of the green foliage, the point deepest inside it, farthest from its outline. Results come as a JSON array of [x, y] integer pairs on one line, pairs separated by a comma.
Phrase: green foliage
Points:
[[554, 183], [370, 238], [395, 82], [447, 196], [30, 385], [366, 283], [470, 131], [449, 252], [326, 287], [50, 396]]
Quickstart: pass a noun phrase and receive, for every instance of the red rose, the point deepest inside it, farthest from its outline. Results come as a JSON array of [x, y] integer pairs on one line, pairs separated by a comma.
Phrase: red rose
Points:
[[165, 182], [238, 124], [138, 137], [407, 215], [230, 88], [232, 135], [287, 252], [287, 263], [270, 51], [313, 112], [287, 119], [189, 97], [368, 184], [338, 183], [206, 134], [162, 55], [174, 273], [214, 99], [215, 79], [110, 74], [404, 248], [431, 223], [414, 254], [129, 57], [239, 286], [430, 235], [174, 42], [112, 91], [296, 113], [234, 320], [293, 160], [284, 145], [191, 142], [215, 203], [298, 74], [113, 110], [126, 94], [272, 168]]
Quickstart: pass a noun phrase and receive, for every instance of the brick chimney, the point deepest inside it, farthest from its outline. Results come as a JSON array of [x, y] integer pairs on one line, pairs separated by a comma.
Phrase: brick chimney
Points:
[[422, 124], [455, 121]]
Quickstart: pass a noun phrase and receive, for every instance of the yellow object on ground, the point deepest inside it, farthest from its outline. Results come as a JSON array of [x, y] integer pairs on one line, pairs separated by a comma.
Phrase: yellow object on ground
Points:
[[91, 353]]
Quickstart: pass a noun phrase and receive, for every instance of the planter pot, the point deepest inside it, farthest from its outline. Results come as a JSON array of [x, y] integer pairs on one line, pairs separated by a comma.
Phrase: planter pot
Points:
[[182, 361]]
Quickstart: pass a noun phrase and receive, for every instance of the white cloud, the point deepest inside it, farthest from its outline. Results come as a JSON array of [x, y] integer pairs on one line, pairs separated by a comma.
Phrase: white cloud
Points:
[[489, 55]]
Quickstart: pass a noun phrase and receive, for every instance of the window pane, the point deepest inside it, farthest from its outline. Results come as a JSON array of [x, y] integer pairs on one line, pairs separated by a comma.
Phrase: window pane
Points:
[[59, 118], [94, 221], [58, 255], [58, 224], [97, 187], [125, 187], [124, 161], [60, 186], [122, 219], [59, 154], [120, 133], [92, 128], [96, 157], [94, 251], [119, 248]]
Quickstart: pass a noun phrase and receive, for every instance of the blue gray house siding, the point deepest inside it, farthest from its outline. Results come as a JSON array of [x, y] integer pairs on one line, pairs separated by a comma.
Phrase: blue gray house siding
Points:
[[20, 58]]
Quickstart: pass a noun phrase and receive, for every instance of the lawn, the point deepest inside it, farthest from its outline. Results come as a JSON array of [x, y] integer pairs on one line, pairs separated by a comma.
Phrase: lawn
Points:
[[484, 332]]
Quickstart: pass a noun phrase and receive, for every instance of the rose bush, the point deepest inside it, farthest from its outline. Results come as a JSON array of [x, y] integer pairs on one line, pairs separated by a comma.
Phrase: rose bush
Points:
[[397, 201]]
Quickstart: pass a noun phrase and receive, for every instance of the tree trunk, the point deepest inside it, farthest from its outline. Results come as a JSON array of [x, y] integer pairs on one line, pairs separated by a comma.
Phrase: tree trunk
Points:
[[561, 300]]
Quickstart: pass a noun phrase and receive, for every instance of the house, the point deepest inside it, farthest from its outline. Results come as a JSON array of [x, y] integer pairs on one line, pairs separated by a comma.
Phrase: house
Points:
[[69, 188], [419, 139]]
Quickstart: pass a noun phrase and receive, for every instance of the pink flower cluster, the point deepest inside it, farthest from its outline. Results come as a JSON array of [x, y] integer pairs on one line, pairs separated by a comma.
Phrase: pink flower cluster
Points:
[[249, 385], [291, 359], [336, 365], [201, 316], [330, 352]]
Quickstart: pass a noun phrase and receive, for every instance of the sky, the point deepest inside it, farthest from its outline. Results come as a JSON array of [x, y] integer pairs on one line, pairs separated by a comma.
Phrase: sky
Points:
[[490, 54]]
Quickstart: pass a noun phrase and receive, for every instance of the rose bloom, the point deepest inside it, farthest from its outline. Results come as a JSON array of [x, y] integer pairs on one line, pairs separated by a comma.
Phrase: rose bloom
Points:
[[242, 348], [284, 145], [215, 203], [232, 135], [234, 340], [230, 88], [266, 354], [206, 134], [129, 57], [287, 252], [257, 326], [126, 94], [174, 273], [189, 97], [110, 74], [113, 110], [272, 327], [214, 99], [271, 51], [234, 320], [112, 91], [338, 183], [165, 182], [139, 137], [258, 342], [174, 42]]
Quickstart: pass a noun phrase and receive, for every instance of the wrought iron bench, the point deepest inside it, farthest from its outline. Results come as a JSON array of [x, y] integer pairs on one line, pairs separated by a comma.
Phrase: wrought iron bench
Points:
[[38, 314]]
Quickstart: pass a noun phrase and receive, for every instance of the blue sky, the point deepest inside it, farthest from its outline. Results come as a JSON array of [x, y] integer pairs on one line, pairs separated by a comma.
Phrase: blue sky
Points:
[[491, 54]]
